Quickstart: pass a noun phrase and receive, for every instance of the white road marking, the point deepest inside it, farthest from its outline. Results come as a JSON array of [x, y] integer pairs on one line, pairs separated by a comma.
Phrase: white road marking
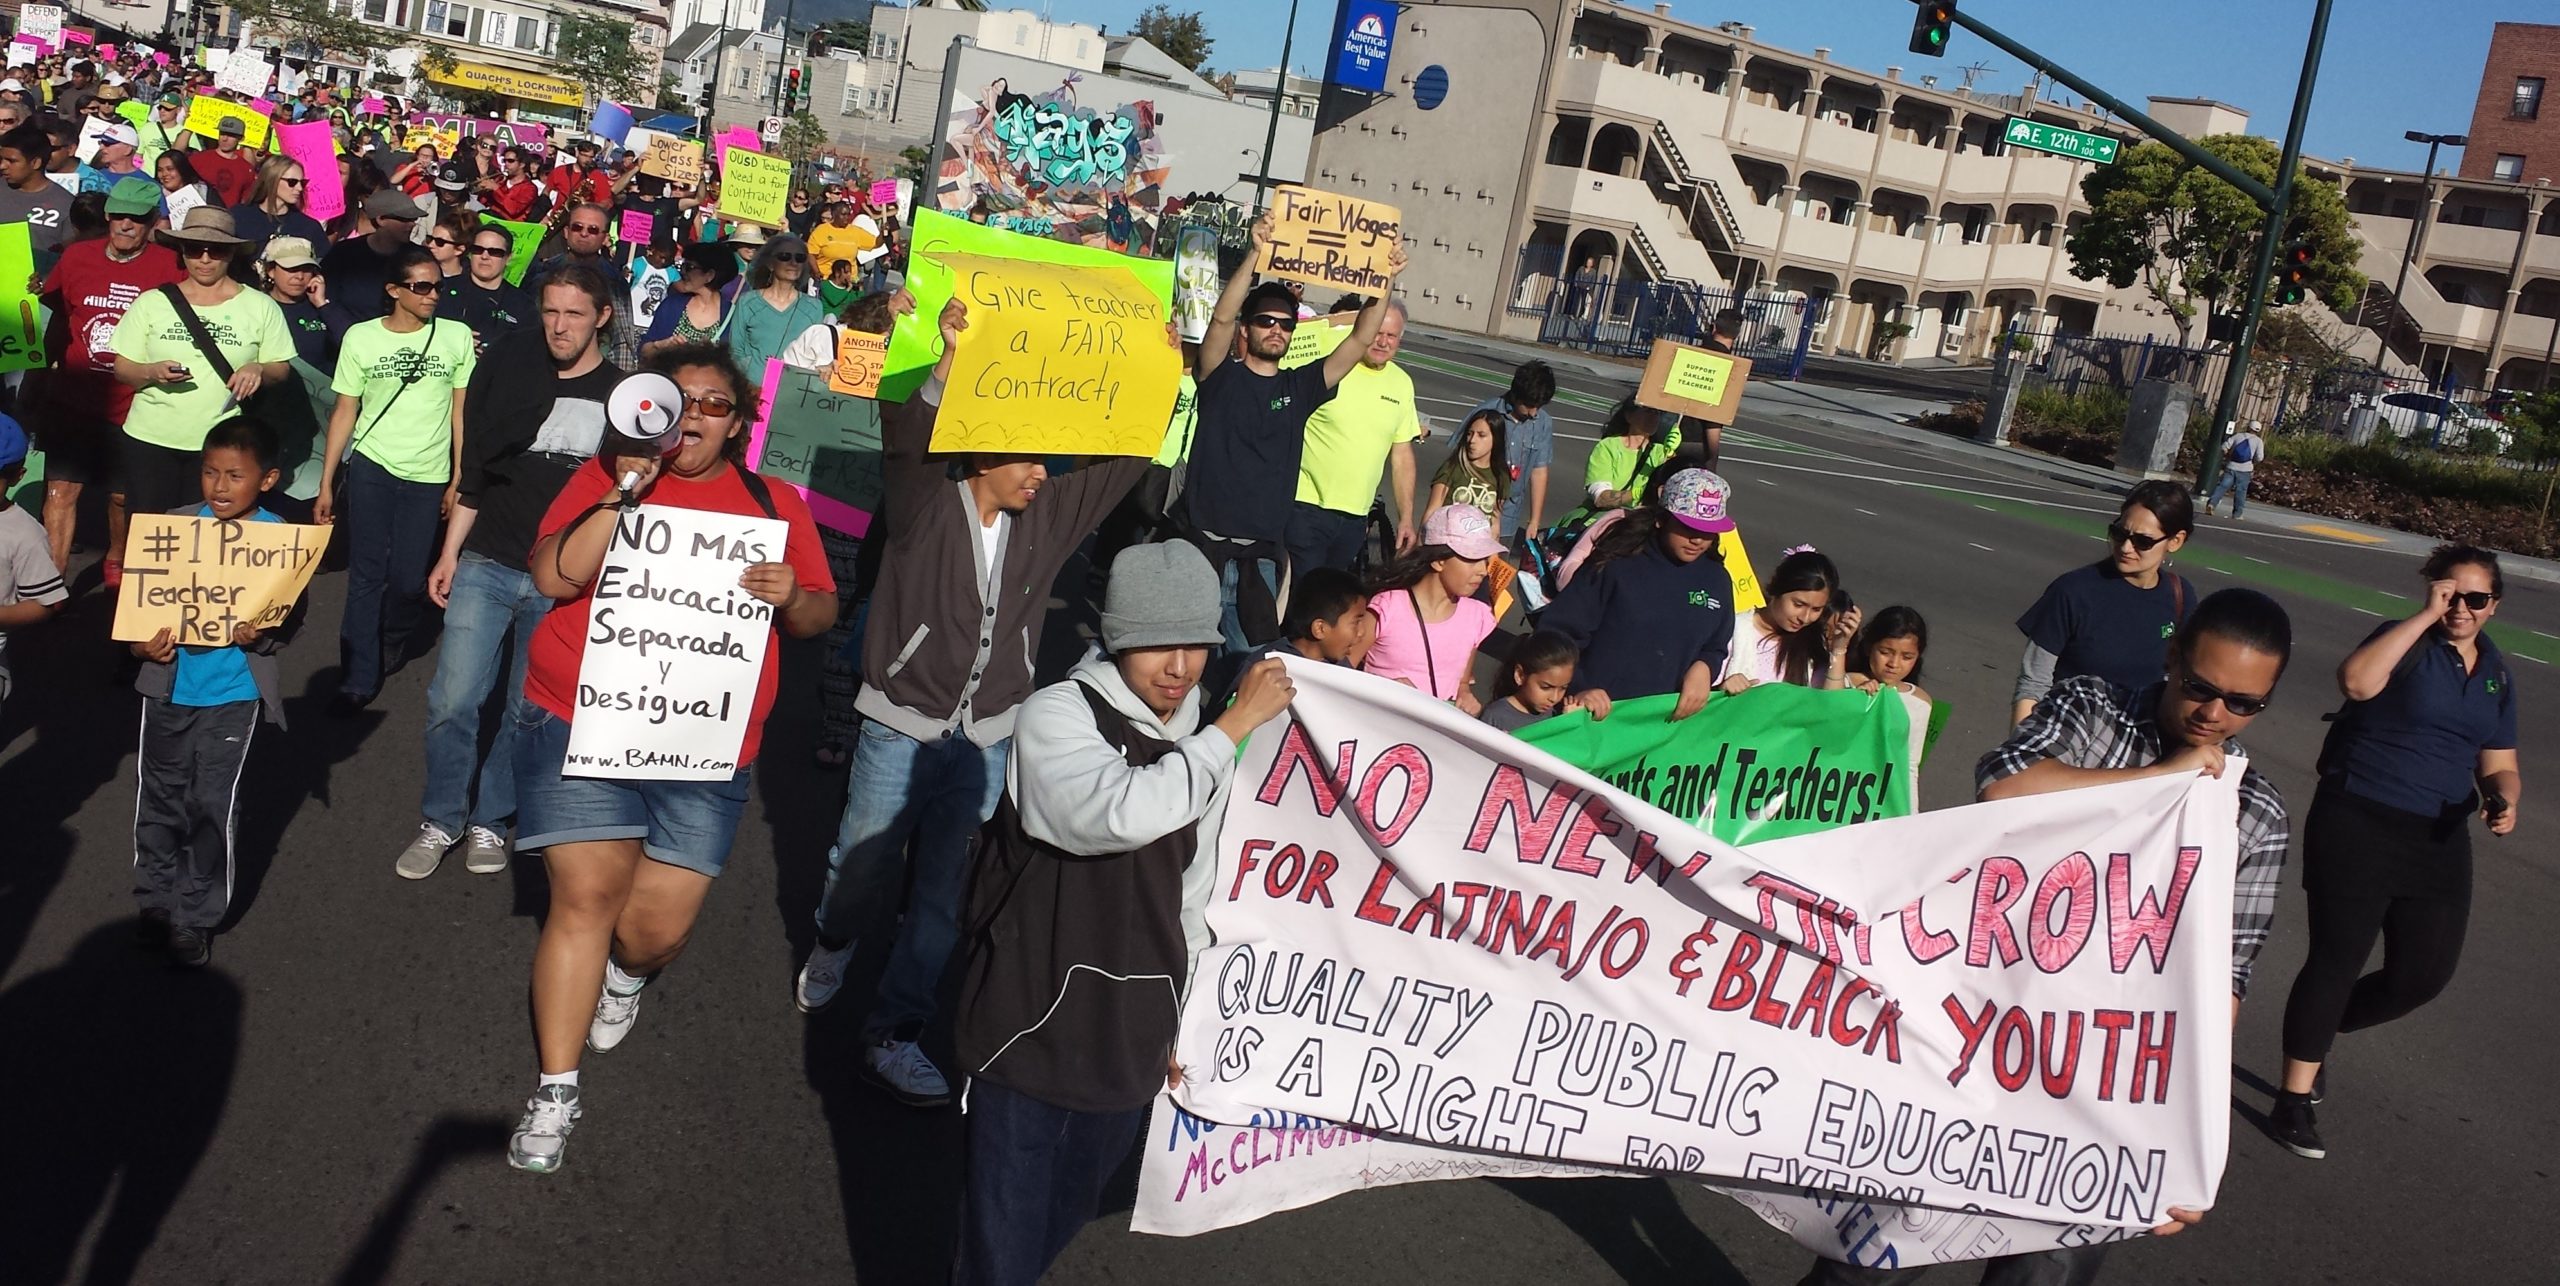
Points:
[[1986, 509], [1766, 482], [2368, 611], [2255, 559], [2543, 633], [1872, 513], [2222, 571], [1983, 547], [2531, 657]]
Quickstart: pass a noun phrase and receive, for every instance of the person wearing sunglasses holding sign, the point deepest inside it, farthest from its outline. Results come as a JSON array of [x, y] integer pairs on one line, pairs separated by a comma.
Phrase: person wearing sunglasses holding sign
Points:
[[2427, 740], [395, 442], [2110, 617]]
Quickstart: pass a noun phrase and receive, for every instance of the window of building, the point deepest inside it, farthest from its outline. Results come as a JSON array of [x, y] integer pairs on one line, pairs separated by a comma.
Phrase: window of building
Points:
[[2528, 101], [1022, 34], [389, 13], [852, 99], [2509, 168], [528, 32], [494, 29], [744, 73], [452, 21]]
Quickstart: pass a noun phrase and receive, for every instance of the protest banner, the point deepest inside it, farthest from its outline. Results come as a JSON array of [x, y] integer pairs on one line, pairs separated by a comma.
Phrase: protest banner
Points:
[[1772, 761], [199, 577], [528, 239], [1434, 933], [324, 195], [1695, 381], [21, 318], [1058, 360], [915, 343], [23, 52], [755, 188], [1328, 240], [821, 443], [451, 128], [612, 123], [1078, 158], [636, 227], [42, 21], [245, 72], [79, 36], [206, 113], [1195, 279], [677, 160], [860, 355], [674, 646]]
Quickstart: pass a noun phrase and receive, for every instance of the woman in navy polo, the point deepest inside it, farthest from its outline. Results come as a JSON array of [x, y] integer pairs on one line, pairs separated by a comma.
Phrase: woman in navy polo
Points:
[[2114, 617], [2427, 739]]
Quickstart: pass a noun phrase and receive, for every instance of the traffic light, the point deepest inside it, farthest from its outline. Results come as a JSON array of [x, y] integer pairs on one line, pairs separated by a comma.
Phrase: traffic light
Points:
[[792, 89], [2292, 281], [1929, 27], [706, 97]]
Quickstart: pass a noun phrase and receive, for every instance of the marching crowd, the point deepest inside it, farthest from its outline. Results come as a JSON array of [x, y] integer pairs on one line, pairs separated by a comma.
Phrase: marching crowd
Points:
[[244, 362]]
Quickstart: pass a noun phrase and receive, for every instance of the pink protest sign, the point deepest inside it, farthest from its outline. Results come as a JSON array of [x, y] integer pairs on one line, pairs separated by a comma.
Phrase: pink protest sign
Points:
[[738, 136], [263, 106], [71, 37], [43, 47], [159, 59], [636, 227], [107, 52], [373, 107], [311, 146], [885, 193]]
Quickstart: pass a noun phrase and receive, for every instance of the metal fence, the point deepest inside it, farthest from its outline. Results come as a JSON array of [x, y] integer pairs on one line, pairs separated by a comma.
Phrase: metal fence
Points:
[[1624, 317]]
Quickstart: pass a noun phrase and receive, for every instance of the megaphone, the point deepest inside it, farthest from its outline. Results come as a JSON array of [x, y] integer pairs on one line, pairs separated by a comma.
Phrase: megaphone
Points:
[[643, 411]]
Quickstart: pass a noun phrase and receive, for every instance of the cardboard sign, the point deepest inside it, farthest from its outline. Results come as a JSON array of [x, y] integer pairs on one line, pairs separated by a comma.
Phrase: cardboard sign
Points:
[[189, 197], [755, 188], [1693, 381], [1057, 360], [21, 318], [373, 107], [738, 138], [324, 195], [667, 683], [822, 444], [677, 160], [916, 342], [206, 113], [1315, 339], [1747, 596], [884, 194], [199, 577], [860, 357], [1339, 242], [612, 121]]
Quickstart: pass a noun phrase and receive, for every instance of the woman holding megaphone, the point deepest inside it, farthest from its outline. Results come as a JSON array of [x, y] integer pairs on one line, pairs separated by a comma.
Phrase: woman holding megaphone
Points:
[[631, 860]]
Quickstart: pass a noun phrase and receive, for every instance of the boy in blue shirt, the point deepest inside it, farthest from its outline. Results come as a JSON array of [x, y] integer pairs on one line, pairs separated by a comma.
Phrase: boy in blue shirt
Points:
[[200, 707]]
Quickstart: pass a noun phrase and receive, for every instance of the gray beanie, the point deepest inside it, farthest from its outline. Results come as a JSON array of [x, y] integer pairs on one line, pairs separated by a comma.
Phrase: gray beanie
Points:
[[1161, 595]]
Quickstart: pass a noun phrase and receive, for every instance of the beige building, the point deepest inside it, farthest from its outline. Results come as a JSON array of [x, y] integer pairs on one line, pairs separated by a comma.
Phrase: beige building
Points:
[[2482, 304], [1616, 140]]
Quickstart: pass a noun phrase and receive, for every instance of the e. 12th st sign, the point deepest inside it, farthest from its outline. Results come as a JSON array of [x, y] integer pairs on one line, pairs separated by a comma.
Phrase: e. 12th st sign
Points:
[[2061, 142]]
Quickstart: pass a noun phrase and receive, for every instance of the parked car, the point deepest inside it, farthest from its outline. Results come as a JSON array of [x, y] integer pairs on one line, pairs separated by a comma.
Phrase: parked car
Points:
[[2429, 420]]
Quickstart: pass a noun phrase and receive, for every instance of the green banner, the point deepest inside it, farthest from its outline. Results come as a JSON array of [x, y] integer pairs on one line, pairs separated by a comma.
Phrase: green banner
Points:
[[1775, 761], [916, 342]]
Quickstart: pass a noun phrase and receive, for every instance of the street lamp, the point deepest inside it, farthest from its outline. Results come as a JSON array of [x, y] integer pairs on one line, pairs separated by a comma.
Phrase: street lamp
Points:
[[2417, 235]]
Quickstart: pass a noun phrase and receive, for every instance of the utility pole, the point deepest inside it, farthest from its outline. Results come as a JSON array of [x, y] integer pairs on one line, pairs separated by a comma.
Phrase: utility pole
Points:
[[1279, 91], [782, 61], [2418, 228]]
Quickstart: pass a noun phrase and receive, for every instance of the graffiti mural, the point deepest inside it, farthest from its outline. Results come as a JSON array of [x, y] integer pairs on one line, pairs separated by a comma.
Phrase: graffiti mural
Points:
[[1049, 166]]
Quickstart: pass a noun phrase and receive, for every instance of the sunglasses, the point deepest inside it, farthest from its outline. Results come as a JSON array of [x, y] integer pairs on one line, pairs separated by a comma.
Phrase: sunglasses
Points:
[[1272, 321], [415, 287], [2119, 534], [790, 256], [291, 183], [591, 229], [2477, 600], [710, 406], [493, 252], [2205, 694], [442, 241], [200, 250]]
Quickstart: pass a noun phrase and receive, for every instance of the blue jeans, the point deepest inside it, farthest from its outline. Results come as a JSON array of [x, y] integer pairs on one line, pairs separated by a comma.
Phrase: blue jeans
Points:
[[1036, 1173], [488, 601], [390, 528], [2234, 485], [935, 794], [1230, 623]]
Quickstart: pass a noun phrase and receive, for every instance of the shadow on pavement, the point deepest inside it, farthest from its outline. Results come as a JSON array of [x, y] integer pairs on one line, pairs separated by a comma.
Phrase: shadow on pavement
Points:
[[451, 1139], [84, 724], [119, 1071], [287, 767], [1636, 1226]]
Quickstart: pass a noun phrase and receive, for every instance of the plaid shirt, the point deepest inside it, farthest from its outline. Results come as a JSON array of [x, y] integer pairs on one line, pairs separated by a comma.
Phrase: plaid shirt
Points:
[[2088, 722]]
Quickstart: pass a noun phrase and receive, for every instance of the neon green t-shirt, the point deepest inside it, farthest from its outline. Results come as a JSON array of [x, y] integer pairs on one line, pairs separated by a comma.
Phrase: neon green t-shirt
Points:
[[1348, 437], [410, 434], [248, 328]]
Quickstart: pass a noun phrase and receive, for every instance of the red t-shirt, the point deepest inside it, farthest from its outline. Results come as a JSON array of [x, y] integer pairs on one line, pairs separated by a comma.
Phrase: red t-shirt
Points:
[[565, 184], [232, 177], [560, 644], [94, 291], [513, 201]]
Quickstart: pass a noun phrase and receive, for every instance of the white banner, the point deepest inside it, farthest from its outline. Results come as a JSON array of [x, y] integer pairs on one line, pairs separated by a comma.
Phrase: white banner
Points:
[[674, 647], [1442, 936], [244, 72]]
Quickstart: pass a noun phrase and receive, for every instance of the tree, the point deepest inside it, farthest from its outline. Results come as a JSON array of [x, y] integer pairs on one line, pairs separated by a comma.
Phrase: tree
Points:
[[2534, 422], [670, 99], [314, 28], [850, 36], [911, 163], [601, 54], [1184, 37], [2190, 239], [802, 135]]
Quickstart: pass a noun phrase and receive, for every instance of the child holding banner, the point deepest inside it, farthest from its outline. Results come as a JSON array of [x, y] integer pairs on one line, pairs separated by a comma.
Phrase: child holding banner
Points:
[[1660, 618], [1429, 621], [200, 708]]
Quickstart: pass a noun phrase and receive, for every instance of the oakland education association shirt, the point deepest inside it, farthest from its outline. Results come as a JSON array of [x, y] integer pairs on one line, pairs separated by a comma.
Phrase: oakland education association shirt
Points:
[[410, 434]]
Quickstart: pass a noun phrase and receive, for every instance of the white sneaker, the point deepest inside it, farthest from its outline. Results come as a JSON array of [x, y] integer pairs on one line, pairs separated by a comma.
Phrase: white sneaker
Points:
[[418, 861], [484, 851], [543, 1134], [900, 1067], [613, 1019], [821, 977]]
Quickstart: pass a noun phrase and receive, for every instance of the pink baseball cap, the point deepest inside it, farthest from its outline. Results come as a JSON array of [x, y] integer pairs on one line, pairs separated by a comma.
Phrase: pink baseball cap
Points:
[[1698, 498], [1464, 529]]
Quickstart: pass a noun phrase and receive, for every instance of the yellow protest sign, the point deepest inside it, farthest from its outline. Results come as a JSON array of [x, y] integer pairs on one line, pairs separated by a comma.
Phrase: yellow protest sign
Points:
[[1315, 339], [1057, 360], [1329, 240], [206, 113], [447, 138], [860, 357], [755, 188], [1693, 381], [677, 160], [1737, 564], [199, 577]]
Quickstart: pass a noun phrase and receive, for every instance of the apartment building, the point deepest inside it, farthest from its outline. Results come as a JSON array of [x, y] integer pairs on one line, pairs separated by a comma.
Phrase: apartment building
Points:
[[2513, 138], [911, 44], [750, 66], [1531, 140], [499, 48], [2481, 304]]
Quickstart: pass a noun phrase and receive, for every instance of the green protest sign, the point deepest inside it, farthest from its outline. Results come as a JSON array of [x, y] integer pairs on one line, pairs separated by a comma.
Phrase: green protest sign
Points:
[[822, 443], [1775, 761], [916, 342], [21, 317], [528, 238]]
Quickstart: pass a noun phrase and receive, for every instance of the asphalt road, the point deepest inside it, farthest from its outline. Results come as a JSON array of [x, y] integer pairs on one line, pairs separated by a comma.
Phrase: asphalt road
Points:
[[329, 1102]]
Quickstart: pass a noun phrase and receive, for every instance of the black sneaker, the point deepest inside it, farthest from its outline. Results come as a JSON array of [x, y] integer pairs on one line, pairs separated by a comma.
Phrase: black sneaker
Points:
[[190, 948], [151, 928], [2292, 1124]]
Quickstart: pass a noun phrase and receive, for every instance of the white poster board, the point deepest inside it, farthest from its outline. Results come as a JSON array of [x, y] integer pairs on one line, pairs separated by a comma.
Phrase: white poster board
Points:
[[674, 647], [42, 21], [245, 72]]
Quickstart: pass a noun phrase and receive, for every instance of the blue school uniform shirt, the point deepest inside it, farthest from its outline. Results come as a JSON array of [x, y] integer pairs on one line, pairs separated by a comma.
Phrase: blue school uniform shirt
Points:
[[1642, 620], [214, 676], [2416, 744], [2097, 622]]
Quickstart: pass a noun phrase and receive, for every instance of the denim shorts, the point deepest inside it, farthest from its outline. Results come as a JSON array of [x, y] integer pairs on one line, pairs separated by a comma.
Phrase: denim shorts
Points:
[[681, 823]]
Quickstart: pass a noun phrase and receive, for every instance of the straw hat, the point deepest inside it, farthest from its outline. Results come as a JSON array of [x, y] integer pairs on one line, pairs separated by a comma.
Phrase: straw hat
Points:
[[205, 223]]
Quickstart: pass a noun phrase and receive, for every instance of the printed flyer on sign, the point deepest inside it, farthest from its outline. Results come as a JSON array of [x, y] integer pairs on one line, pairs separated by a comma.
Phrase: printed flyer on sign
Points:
[[674, 647], [1433, 933]]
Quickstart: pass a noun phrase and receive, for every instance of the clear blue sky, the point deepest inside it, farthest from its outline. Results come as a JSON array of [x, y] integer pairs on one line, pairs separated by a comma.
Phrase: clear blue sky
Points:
[[2391, 65]]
